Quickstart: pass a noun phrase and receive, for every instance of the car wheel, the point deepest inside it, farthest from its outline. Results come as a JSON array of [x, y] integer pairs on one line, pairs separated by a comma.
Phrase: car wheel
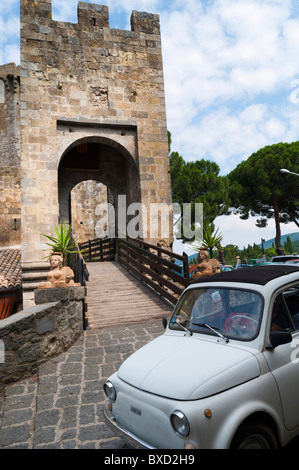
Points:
[[255, 436]]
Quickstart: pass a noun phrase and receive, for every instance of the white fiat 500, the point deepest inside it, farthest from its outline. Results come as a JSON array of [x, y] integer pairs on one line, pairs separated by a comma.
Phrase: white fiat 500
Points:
[[225, 373]]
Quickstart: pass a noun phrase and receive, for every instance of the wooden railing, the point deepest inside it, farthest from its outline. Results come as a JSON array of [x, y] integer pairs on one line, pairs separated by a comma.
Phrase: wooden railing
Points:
[[98, 249], [81, 275], [80, 270], [155, 267]]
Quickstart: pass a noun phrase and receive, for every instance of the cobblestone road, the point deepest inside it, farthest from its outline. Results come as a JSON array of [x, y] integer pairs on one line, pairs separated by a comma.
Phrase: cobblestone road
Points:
[[61, 407]]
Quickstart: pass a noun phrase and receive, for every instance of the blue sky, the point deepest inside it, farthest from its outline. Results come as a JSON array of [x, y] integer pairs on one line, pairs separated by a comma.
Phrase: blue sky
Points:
[[231, 70]]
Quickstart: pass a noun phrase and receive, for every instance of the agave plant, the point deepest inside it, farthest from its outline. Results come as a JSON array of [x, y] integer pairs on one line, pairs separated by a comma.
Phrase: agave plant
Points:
[[209, 242], [63, 243]]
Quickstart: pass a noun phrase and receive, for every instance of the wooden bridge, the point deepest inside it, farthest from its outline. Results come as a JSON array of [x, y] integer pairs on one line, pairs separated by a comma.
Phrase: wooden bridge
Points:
[[130, 281], [115, 297]]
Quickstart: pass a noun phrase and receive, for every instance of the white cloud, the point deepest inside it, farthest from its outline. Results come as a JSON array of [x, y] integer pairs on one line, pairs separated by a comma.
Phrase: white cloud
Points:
[[150, 6], [225, 65], [240, 233], [10, 46], [7, 7], [11, 51], [225, 68], [244, 232], [66, 10], [227, 136], [231, 75]]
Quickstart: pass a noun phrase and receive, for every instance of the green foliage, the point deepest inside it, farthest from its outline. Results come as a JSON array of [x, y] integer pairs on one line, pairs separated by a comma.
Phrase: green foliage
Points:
[[288, 246], [270, 252], [258, 188], [253, 252], [247, 255], [254, 188], [209, 242], [296, 246], [63, 242], [199, 182]]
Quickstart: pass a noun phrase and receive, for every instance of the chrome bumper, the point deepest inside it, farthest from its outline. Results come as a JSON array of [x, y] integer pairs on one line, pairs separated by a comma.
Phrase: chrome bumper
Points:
[[125, 435]]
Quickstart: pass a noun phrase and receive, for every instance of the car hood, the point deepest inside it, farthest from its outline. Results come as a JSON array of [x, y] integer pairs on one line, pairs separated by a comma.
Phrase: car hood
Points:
[[188, 368]]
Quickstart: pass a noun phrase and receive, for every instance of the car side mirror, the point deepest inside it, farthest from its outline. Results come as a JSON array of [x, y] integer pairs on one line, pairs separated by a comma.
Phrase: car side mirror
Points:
[[164, 321], [279, 337]]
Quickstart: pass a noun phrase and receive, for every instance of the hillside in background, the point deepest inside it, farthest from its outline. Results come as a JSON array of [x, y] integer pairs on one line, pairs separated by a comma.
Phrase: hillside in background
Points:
[[293, 236]]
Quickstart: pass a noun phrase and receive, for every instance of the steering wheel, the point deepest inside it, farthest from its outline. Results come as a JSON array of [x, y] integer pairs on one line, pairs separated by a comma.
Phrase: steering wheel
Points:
[[233, 323]]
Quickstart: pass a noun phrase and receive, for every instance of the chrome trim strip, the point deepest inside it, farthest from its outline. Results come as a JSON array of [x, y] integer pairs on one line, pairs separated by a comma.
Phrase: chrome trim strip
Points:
[[128, 437]]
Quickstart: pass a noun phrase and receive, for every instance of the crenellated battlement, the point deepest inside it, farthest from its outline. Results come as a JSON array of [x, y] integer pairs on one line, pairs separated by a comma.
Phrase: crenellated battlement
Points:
[[9, 80], [42, 7], [92, 15], [9, 69], [145, 22]]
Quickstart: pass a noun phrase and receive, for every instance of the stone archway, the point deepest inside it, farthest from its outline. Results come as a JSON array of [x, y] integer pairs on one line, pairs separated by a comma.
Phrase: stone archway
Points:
[[97, 159]]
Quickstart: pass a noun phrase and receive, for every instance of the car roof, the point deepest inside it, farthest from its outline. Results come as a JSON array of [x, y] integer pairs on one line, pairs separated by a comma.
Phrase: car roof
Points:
[[260, 275]]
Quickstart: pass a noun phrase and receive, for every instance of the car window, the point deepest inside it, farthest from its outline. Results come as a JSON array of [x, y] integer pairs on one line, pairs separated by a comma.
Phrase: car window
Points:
[[235, 313], [280, 320], [291, 298]]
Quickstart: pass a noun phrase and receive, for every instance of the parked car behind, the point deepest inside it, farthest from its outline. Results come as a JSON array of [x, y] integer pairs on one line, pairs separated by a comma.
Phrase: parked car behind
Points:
[[226, 267], [225, 373], [283, 258]]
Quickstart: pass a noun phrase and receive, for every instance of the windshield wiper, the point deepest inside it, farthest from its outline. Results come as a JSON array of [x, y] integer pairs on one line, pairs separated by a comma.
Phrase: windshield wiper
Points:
[[212, 329], [185, 329]]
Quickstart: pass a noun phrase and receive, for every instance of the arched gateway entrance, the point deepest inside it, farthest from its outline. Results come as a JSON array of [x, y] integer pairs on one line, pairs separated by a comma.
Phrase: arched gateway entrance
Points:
[[101, 160]]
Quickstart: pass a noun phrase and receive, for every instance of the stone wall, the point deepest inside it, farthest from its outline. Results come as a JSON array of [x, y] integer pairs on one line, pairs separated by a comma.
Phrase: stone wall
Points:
[[10, 178], [88, 201], [79, 85], [80, 81], [41, 332]]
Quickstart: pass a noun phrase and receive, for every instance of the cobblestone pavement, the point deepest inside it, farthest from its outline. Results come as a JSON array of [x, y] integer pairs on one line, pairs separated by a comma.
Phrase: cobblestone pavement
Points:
[[61, 407]]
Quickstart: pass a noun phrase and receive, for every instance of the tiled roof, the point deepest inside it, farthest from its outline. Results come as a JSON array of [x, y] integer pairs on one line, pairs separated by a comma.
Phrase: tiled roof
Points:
[[10, 269]]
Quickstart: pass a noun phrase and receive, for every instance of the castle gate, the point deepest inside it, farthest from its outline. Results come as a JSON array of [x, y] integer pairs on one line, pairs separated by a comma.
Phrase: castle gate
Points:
[[92, 106], [100, 159]]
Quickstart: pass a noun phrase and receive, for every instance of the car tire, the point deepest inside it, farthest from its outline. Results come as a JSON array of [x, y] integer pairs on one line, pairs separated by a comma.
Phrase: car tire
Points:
[[255, 436]]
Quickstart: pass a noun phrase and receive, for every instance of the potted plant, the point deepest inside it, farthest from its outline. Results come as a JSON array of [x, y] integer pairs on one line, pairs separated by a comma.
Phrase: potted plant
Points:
[[210, 241], [63, 243]]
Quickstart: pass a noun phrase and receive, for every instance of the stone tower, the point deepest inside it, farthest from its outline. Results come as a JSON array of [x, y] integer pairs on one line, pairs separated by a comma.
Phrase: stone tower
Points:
[[92, 107], [10, 177]]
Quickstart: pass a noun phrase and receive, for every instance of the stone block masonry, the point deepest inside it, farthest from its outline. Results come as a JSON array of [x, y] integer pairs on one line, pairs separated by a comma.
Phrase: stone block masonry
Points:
[[39, 333], [110, 82], [86, 85], [10, 177]]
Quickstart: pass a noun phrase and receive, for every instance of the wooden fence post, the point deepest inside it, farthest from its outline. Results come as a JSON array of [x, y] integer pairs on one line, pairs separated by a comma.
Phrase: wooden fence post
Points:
[[186, 267]]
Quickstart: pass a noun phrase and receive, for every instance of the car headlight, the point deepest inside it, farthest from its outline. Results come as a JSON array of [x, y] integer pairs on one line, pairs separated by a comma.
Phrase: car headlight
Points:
[[180, 423], [110, 391]]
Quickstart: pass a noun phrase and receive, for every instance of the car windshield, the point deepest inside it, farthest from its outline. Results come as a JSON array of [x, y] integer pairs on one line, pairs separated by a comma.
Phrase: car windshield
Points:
[[233, 313]]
